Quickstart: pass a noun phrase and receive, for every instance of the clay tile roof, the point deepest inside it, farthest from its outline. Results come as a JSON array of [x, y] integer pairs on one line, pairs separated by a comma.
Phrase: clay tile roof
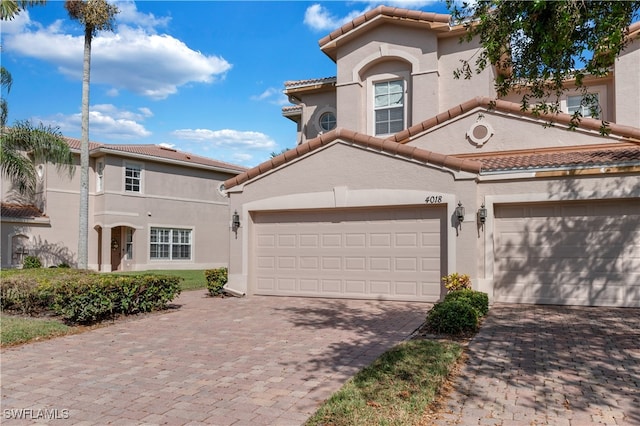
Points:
[[592, 124], [309, 82], [603, 155], [371, 142], [158, 152], [19, 211], [385, 11]]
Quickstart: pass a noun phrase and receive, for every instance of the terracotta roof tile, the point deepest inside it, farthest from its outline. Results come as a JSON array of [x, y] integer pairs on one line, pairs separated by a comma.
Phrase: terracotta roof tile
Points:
[[603, 155], [386, 11], [507, 107], [309, 82], [19, 211], [156, 151], [388, 146]]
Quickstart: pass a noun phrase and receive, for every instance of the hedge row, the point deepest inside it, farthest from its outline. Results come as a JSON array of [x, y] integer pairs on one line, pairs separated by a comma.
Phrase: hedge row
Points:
[[85, 297]]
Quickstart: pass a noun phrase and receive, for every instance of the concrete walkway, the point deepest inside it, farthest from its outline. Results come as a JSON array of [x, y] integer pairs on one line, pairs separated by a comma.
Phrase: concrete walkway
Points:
[[537, 365], [251, 361]]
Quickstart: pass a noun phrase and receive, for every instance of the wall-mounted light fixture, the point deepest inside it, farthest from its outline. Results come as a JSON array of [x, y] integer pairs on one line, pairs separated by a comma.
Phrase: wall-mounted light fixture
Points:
[[460, 212], [482, 214], [235, 220]]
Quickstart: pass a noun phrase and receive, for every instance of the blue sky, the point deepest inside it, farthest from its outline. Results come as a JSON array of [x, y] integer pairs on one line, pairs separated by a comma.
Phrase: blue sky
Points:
[[200, 76]]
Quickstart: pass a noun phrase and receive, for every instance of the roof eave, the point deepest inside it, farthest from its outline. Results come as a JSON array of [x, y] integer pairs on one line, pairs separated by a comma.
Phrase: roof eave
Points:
[[138, 156]]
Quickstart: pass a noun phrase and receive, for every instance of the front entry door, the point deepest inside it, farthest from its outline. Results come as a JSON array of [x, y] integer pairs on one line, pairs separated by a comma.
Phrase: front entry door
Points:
[[116, 248]]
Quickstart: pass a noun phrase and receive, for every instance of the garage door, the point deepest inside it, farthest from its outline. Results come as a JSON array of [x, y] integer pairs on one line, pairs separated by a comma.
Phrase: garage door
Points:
[[576, 253], [393, 254]]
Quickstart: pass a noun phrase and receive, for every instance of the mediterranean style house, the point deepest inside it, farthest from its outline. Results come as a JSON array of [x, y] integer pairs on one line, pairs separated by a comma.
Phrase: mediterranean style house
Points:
[[403, 174], [150, 207]]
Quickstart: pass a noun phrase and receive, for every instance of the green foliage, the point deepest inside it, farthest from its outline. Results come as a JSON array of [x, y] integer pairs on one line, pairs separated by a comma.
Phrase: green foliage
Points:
[[453, 317], [537, 46], [15, 330], [83, 296], [456, 281], [216, 279], [477, 299], [31, 262], [23, 295], [396, 389], [97, 297]]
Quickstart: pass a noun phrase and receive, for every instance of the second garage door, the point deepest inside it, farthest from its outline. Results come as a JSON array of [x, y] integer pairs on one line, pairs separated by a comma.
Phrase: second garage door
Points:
[[384, 253], [575, 253]]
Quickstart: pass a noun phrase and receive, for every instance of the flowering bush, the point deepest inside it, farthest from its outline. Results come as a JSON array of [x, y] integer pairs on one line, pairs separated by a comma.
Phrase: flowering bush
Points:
[[455, 281]]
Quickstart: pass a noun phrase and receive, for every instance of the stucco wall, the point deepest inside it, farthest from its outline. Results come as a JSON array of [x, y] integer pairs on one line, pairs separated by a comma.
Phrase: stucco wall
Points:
[[627, 86], [510, 133], [351, 176]]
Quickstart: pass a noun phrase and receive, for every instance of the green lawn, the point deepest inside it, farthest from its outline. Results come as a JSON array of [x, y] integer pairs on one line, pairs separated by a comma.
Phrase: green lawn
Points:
[[192, 279], [395, 390], [15, 330]]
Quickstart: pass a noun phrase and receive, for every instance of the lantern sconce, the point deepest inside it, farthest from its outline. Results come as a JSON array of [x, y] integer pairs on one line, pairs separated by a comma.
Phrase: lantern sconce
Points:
[[235, 220], [460, 212], [482, 214]]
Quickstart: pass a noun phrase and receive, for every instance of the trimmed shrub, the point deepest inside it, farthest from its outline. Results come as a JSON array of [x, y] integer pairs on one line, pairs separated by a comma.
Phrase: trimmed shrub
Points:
[[477, 299], [23, 295], [216, 279], [455, 281], [453, 317], [83, 296], [31, 262], [98, 297]]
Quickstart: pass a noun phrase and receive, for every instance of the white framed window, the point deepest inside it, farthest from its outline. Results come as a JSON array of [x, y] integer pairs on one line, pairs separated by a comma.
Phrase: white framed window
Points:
[[586, 109], [99, 176], [327, 121], [132, 177], [170, 244], [388, 106], [128, 244]]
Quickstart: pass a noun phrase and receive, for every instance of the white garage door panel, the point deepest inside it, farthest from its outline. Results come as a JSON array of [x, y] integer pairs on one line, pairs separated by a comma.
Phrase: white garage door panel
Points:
[[373, 253], [578, 253]]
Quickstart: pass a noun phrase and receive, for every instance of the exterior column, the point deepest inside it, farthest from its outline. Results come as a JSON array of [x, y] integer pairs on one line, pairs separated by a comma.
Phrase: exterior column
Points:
[[105, 250]]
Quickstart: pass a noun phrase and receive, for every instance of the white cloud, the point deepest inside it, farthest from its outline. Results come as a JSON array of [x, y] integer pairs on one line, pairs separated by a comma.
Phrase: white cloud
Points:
[[133, 59], [242, 158], [106, 122], [167, 145], [128, 13], [273, 96], [227, 138], [319, 18]]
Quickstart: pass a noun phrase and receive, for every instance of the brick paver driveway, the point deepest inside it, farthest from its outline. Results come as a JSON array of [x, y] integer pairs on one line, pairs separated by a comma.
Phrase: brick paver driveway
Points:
[[256, 360], [550, 365]]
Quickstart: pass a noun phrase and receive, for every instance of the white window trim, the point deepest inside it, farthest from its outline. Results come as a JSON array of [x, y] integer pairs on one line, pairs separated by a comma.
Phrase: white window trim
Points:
[[600, 90], [172, 228], [100, 175], [132, 164], [371, 111], [319, 113]]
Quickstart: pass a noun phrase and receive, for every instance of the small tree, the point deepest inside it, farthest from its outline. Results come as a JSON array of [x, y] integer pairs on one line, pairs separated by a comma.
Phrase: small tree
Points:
[[537, 46]]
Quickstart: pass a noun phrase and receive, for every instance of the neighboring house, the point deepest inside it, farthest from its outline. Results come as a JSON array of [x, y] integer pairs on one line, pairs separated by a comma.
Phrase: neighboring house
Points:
[[403, 175], [150, 207]]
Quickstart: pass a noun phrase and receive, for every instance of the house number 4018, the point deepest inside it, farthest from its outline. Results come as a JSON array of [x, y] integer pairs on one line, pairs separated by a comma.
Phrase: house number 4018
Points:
[[434, 199]]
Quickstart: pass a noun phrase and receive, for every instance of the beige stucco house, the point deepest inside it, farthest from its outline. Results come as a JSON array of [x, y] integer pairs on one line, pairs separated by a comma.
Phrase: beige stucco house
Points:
[[150, 207], [403, 174]]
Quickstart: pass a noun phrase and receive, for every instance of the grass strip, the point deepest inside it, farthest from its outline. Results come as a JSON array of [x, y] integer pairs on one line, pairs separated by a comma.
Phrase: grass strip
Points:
[[395, 390], [16, 330]]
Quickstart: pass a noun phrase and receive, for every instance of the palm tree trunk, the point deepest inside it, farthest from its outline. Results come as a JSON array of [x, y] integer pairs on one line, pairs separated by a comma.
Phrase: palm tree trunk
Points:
[[83, 237]]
